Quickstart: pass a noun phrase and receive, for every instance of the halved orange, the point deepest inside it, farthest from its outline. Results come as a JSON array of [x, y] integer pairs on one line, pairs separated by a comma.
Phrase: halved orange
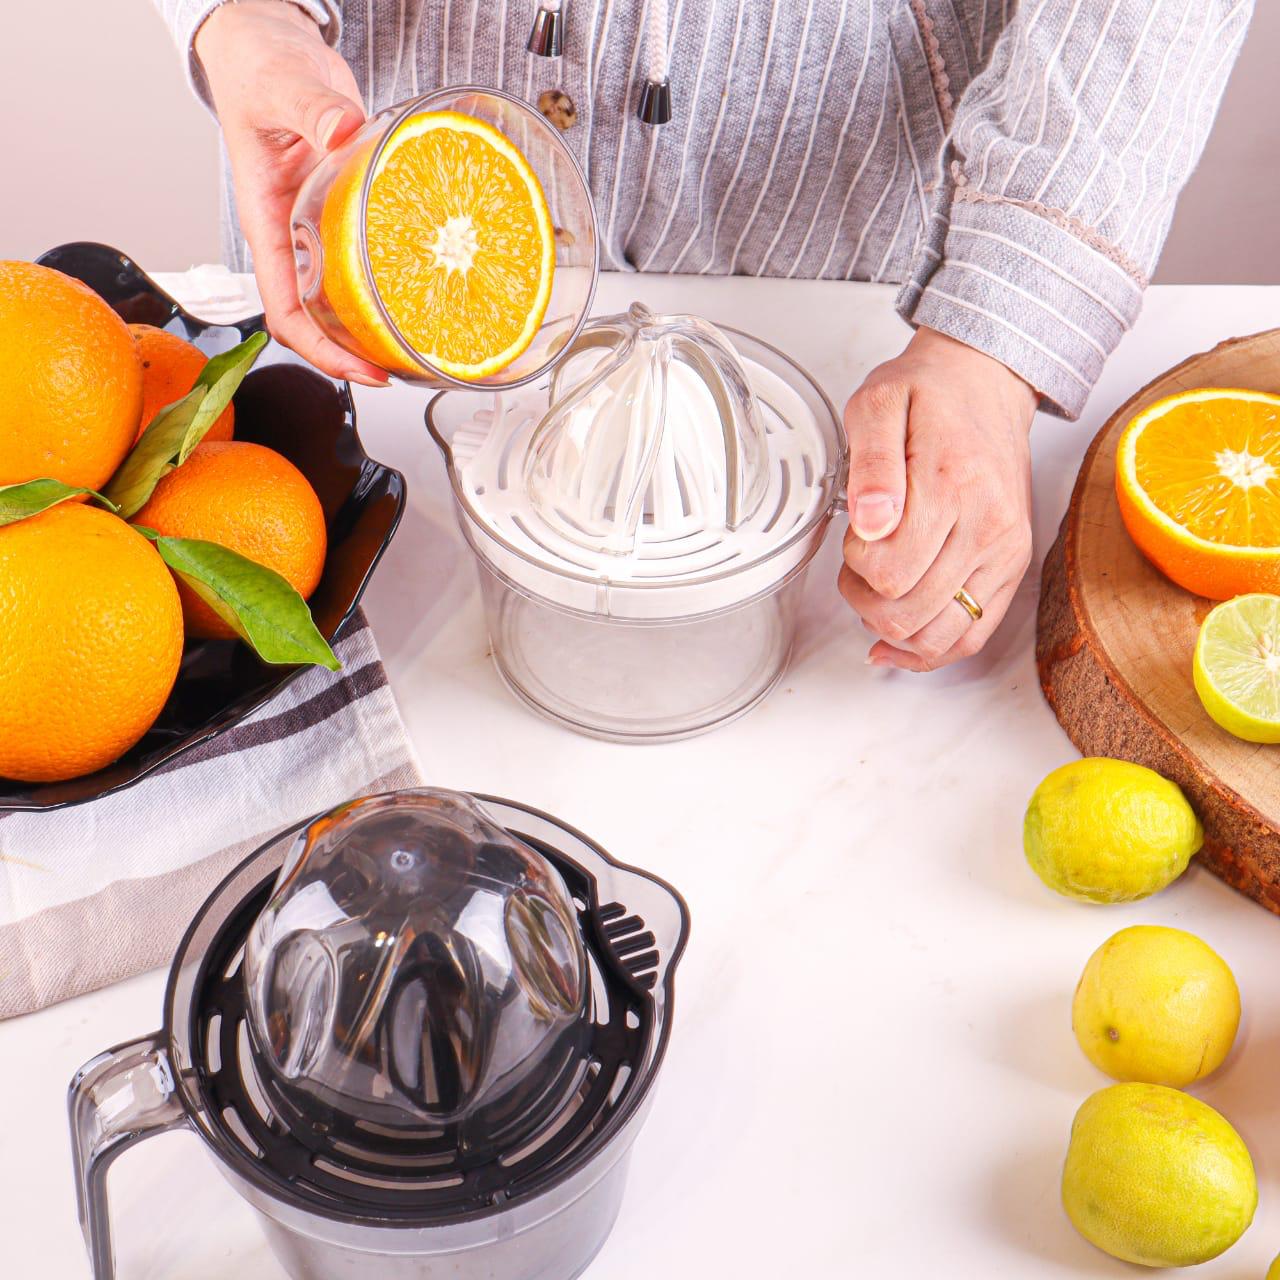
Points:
[[461, 247], [1198, 482]]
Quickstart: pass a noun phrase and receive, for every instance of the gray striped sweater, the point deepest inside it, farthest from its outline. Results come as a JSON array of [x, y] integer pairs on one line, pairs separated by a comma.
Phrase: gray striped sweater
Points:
[[1014, 166]]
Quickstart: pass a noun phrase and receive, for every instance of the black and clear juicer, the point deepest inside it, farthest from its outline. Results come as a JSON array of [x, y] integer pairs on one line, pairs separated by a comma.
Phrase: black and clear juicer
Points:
[[418, 1036]]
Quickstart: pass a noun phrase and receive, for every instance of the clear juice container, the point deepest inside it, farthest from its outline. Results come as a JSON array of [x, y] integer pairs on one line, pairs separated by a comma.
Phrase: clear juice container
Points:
[[343, 279]]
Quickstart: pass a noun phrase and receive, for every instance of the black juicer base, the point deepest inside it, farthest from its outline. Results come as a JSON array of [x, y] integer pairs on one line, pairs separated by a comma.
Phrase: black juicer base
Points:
[[348, 1169]]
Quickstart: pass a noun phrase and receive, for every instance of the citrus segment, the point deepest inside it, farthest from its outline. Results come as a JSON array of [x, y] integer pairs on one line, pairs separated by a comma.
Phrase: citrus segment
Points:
[[90, 642], [1237, 667], [1198, 483], [70, 380], [460, 245]]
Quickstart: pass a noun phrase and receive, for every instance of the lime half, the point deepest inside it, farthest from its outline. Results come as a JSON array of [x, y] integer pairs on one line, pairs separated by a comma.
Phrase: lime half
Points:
[[1237, 667]]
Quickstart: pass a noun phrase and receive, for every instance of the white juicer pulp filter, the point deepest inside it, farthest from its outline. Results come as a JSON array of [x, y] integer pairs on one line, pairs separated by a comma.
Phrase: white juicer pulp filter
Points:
[[418, 1035], [643, 520]]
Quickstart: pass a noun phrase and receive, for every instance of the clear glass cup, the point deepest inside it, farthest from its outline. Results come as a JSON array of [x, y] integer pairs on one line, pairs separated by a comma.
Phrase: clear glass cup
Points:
[[374, 335]]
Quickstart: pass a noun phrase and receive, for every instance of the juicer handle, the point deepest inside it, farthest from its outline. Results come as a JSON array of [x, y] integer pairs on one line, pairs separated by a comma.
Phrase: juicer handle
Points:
[[116, 1100]]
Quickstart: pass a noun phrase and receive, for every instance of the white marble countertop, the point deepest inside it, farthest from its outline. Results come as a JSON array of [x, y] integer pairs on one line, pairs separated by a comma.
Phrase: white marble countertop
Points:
[[873, 1071]]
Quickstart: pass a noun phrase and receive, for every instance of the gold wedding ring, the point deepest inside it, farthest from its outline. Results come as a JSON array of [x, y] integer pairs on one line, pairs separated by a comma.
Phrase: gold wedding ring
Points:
[[968, 604]]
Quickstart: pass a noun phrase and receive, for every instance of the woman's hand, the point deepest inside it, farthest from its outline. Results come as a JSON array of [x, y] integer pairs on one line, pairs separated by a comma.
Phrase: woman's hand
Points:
[[939, 499], [283, 98]]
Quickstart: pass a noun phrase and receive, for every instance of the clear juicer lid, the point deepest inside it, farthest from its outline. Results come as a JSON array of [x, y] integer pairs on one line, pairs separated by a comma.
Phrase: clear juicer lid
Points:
[[417, 968]]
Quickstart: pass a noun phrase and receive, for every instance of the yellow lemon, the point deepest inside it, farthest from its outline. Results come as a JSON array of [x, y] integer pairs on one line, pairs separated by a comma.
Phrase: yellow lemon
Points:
[[1156, 1004], [1155, 1176], [1273, 1271], [1109, 831]]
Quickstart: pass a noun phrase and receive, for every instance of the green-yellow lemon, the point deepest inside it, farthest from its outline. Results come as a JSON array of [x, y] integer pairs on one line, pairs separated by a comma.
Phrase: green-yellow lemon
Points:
[[1109, 831], [1156, 1004], [1155, 1176]]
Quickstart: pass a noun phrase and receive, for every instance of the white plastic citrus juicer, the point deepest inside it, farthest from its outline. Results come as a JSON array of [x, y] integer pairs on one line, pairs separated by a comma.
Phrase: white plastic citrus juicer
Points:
[[643, 519]]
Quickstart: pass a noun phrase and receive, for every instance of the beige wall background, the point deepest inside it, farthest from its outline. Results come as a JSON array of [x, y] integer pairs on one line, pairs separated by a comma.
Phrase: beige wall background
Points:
[[103, 141]]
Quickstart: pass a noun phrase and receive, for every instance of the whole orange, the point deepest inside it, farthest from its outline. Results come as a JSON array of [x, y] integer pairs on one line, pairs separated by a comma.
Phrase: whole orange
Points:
[[70, 380], [249, 499], [90, 642], [170, 367]]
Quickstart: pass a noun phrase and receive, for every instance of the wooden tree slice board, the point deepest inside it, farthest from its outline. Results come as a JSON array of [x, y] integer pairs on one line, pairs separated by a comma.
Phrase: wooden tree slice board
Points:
[[1115, 640]]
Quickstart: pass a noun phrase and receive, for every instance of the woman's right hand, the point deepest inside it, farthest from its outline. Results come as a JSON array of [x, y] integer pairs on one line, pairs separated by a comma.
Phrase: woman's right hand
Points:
[[284, 98]]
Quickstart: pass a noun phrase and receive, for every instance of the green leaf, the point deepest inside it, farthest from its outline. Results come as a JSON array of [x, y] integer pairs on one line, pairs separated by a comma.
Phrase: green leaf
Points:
[[221, 378], [153, 456], [176, 430], [18, 501], [256, 602]]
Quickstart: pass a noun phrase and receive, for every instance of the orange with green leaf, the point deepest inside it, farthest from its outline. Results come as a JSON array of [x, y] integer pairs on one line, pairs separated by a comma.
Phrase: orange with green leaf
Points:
[[170, 367], [99, 519], [248, 499]]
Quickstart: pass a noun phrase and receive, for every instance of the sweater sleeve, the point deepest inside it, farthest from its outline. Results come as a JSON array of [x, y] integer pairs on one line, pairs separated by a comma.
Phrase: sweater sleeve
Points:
[[1066, 156], [184, 19]]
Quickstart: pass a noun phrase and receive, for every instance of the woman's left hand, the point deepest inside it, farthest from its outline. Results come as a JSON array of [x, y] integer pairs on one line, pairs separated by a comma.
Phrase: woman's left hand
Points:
[[939, 500]]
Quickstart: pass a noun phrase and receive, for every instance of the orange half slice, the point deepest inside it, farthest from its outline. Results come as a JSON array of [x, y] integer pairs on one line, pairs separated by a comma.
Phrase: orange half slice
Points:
[[1198, 483], [461, 246]]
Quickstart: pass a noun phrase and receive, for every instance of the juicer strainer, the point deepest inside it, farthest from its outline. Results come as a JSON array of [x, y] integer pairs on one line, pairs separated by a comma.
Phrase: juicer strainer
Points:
[[512, 1172], [642, 521], [416, 985]]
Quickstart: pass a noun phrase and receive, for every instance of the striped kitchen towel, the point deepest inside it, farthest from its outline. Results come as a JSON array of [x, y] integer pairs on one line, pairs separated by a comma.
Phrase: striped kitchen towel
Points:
[[100, 891], [97, 892]]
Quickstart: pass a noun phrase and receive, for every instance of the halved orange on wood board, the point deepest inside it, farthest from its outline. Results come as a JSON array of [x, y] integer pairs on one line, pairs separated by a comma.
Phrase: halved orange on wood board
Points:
[[1198, 482], [461, 247]]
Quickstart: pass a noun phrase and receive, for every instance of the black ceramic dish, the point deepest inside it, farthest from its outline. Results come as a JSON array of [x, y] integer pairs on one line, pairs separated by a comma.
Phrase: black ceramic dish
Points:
[[309, 418]]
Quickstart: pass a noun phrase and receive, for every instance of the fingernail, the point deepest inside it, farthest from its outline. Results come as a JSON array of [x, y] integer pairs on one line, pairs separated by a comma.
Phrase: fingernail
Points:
[[873, 516], [876, 660], [327, 124]]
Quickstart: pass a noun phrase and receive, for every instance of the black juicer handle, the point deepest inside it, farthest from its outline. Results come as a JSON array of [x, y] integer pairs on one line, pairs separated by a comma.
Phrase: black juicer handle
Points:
[[116, 1100]]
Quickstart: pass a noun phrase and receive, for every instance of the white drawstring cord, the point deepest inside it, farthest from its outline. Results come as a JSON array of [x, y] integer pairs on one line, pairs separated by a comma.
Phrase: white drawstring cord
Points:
[[655, 97], [657, 57]]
